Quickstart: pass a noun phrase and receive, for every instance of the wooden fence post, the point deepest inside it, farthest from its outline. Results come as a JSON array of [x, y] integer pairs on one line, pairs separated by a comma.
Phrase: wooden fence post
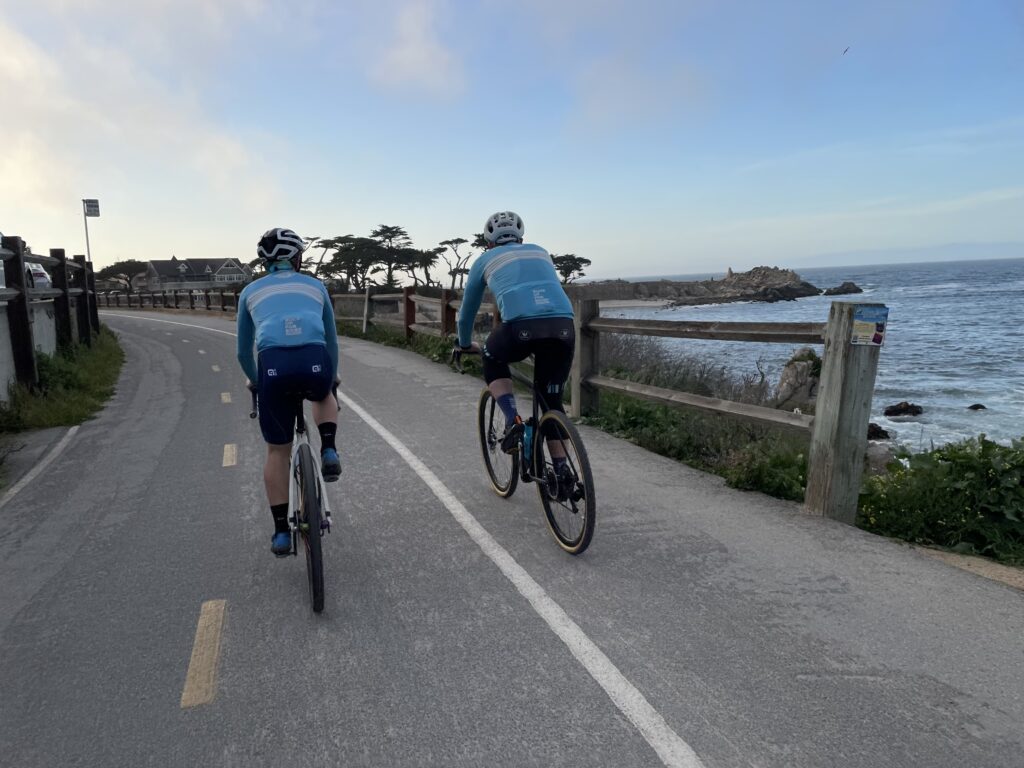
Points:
[[223, 306], [19, 317], [90, 290], [82, 320], [584, 399], [191, 300], [367, 310], [448, 321], [61, 304], [175, 294], [409, 310], [206, 298], [840, 437]]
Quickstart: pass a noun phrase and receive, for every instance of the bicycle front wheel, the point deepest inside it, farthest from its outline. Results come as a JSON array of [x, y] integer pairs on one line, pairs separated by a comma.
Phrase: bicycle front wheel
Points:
[[308, 517], [566, 490], [502, 468]]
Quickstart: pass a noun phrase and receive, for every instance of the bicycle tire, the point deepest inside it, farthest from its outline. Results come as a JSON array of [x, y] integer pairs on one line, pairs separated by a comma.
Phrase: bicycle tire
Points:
[[573, 518], [502, 468], [308, 517]]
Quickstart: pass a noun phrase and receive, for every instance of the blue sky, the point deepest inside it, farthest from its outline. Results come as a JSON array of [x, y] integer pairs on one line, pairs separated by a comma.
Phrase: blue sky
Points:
[[651, 137]]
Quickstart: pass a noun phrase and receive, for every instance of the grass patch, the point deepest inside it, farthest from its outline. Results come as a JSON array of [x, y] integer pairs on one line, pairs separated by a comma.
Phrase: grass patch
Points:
[[73, 385], [966, 496]]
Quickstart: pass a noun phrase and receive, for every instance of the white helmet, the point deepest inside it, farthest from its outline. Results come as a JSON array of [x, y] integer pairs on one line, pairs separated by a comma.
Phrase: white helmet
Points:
[[280, 245], [504, 227]]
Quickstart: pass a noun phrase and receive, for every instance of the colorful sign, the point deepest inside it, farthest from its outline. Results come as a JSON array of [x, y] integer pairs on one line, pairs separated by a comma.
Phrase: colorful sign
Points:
[[869, 324]]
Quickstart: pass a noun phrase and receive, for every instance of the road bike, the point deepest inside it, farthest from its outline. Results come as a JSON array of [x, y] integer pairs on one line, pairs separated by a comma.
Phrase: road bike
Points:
[[569, 501], [309, 512]]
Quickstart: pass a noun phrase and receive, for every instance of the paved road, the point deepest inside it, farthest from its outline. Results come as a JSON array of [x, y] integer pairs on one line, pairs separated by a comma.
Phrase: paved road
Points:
[[703, 627]]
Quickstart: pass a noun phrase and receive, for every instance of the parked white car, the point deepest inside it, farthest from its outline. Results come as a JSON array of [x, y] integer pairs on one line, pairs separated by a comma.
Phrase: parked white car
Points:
[[36, 276]]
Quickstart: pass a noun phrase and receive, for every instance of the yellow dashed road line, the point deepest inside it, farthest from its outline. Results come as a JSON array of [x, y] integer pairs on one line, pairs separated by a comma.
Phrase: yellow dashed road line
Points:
[[225, 397], [201, 678], [230, 455]]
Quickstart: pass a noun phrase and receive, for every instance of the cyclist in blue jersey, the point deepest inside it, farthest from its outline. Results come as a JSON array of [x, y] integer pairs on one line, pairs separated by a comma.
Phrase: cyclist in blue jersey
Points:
[[289, 319], [536, 318]]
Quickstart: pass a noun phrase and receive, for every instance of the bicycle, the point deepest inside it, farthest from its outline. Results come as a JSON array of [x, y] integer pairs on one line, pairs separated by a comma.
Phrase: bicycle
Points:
[[570, 508], [309, 514]]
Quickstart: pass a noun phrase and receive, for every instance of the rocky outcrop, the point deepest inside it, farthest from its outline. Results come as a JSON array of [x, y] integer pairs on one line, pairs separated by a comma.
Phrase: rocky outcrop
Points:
[[977, 407], [903, 409], [798, 382], [845, 288], [759, 284], [875, 432]]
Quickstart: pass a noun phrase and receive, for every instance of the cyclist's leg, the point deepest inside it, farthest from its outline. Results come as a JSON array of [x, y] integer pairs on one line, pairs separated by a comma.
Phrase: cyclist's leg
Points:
[[318, 378], [552, 360], [277, 425], [503, 346]]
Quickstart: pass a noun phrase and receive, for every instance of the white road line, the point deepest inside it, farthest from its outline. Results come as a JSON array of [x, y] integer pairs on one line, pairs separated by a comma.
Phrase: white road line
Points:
[[202, 351], [216, 368], [169, 322], [186, 341], [672, 750], [53, 454]]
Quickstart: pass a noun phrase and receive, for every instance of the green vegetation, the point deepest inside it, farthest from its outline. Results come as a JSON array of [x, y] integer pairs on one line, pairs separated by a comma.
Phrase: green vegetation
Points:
[[73, 385], [966, 496]]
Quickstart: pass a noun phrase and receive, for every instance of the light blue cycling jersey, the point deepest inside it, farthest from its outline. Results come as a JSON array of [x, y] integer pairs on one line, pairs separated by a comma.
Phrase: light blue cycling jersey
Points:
[[524, 282], [284, 309]]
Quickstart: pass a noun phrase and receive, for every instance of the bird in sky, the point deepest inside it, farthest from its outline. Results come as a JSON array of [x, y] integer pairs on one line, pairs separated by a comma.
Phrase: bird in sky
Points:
[[847, 48]]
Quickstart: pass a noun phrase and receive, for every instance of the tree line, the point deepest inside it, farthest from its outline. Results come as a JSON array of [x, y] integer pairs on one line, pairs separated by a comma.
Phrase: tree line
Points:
[[386, 257]]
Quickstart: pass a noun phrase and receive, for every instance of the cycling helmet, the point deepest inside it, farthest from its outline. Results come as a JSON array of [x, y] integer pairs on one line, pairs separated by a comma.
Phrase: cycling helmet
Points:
[[280, 245], [504, 227]]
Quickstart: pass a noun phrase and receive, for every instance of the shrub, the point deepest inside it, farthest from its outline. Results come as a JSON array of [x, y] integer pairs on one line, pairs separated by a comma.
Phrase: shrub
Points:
[[73, 385], [965, 495]]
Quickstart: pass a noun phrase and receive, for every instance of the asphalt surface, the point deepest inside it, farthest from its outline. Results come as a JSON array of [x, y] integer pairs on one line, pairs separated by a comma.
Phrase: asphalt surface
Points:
[[755, 635]]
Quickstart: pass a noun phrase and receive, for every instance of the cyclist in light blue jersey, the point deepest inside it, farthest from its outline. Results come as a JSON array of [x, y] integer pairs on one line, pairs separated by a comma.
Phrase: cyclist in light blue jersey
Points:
[[289, 319], [536, 318]]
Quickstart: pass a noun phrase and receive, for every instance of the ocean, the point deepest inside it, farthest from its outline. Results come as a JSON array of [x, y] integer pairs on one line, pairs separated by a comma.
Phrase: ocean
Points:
[[955, 337]]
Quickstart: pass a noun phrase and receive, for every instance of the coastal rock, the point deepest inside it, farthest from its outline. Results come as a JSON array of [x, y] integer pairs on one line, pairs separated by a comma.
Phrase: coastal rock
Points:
[[768, 284], [841, 290], [878, 456], [875, 432], [977, 407], [903, 409], [798, 382]]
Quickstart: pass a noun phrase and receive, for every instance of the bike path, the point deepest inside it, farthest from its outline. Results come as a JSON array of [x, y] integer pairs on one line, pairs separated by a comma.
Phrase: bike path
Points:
[[761, 636]]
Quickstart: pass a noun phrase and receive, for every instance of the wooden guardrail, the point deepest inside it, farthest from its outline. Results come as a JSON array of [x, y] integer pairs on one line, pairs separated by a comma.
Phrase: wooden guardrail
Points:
[[837, 432], [72, 297]]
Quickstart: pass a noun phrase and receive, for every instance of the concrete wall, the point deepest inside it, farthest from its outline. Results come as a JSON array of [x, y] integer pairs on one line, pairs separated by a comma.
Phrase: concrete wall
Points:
[[6, 355], [44, 327]]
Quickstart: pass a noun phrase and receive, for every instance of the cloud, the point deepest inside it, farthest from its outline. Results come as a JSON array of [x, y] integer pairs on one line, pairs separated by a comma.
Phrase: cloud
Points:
[[416, 59], [91, 116]]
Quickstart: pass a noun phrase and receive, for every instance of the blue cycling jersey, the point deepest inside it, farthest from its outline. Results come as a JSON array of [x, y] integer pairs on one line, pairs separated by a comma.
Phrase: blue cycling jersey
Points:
[[524, 282], [284, 309]]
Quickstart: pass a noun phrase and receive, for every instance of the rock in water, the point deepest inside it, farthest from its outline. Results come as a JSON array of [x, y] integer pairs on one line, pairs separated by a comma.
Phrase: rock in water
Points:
[[845, 288], [903, 409], [875, 432], [977, 407]]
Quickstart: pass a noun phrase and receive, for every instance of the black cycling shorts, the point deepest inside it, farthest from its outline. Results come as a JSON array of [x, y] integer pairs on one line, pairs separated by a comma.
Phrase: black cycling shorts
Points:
[[289, 375], [551, 341]]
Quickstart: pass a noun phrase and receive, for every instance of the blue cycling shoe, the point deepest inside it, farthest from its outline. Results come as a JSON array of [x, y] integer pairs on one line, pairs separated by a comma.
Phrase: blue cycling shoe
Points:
[[281, 544], [330, 465]]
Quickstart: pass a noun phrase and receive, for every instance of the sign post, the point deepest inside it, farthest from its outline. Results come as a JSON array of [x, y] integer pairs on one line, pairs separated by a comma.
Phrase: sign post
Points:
[[89, 208]]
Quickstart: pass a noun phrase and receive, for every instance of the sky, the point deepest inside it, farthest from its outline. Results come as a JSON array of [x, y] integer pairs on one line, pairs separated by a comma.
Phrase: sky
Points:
[[652, 137]]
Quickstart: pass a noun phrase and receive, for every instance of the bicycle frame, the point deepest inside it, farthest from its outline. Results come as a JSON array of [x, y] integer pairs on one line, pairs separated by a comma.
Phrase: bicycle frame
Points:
[[302, 438]]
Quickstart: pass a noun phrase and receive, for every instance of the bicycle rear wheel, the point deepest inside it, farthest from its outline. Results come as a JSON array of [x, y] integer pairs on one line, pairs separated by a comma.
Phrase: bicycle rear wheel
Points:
[[502, 468], [308, 517], [570, 505]]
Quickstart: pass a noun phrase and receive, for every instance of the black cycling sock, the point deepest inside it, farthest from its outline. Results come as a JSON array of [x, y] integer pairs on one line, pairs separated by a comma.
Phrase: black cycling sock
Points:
[[280, 513], [327, 431], [559, 462]]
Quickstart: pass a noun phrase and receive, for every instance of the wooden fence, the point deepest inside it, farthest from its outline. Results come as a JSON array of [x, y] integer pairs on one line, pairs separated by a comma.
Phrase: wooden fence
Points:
[[219, 300], [42, 319], [837, 431]]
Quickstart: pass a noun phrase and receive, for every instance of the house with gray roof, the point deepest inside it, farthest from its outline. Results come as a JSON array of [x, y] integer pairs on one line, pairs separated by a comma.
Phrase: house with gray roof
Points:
[[196, 274]]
